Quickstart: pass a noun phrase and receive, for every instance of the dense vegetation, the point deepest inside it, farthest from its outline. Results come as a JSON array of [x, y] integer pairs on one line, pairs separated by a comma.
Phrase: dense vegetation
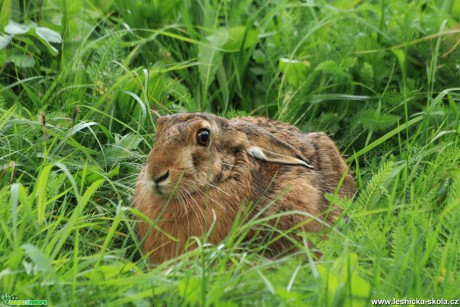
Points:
[[81, 84]]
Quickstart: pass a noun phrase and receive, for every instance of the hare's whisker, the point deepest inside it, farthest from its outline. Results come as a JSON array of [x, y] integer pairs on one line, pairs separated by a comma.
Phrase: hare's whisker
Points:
[[210, 198], [194, 202], [193, 205], [213, 186]]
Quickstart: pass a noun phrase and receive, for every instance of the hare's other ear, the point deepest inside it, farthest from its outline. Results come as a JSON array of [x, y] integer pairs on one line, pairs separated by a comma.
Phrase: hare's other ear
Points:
[[265, 146], [154, 115], [273, 157]]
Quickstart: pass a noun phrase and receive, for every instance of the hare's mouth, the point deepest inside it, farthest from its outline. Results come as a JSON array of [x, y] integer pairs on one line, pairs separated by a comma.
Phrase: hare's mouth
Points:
[[173, 189], [161, 191], [157, 189], [165, 192]]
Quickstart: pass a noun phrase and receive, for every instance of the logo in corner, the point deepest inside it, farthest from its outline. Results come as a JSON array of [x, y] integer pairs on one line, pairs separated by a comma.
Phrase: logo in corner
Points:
[[12, 300], [5, 298]]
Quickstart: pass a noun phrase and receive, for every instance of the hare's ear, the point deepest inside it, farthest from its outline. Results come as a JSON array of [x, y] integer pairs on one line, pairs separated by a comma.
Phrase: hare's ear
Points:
[[265, 146], [154, 114], [273, 157]]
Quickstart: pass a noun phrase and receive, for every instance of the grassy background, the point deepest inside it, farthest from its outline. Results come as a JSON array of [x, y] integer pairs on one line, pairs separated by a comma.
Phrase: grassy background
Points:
[[77, 110]]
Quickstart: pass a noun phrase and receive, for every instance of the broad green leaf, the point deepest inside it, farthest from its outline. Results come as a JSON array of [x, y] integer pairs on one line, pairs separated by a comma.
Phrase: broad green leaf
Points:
[[130, 141], [209, 56], [15, 28], [123, 147], [22, 61], [5, 40], [49, 35], [329, 66], [240, 38], [44, 41], [43, 34], [295, 71]]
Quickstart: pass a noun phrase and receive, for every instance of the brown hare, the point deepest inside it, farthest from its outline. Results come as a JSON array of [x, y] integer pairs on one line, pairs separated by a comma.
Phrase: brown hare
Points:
[[203, 168]]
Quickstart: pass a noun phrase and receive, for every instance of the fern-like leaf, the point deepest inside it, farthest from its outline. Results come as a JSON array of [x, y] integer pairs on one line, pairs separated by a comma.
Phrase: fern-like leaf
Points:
[[377, 186]]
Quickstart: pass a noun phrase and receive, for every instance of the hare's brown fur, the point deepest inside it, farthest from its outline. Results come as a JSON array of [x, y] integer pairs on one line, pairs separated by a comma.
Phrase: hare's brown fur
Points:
[[248, 160]]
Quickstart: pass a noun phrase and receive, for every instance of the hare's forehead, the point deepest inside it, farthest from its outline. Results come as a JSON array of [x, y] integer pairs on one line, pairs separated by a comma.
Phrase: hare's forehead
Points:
[[181, 130]]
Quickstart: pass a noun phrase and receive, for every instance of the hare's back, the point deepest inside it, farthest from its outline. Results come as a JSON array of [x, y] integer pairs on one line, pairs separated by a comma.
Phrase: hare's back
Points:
[[318, 148], [285, 132]]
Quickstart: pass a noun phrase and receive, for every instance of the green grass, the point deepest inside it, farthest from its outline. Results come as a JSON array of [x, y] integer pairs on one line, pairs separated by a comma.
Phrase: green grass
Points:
[[77, 119]]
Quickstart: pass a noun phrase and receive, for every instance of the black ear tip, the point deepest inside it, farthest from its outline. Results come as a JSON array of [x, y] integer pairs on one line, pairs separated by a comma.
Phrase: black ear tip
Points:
[[307, 162]]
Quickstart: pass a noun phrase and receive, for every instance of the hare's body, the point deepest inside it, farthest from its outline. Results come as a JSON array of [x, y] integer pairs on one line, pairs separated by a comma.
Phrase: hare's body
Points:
[[318, 148], [204, 168]]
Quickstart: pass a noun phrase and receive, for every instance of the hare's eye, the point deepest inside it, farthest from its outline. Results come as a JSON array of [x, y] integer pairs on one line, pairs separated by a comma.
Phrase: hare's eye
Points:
[[203, 137]]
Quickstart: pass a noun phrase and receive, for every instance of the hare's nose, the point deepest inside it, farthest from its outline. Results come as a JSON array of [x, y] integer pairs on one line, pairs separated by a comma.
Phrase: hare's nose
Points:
[[162, 177]]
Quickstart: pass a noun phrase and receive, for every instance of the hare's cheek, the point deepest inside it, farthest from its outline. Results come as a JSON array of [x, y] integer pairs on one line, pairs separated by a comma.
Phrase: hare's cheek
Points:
[[198, 161], [150, 185], [148, 182]]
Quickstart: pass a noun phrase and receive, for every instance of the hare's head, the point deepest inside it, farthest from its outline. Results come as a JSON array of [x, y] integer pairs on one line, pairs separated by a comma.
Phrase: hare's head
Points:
[[196, 151]]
